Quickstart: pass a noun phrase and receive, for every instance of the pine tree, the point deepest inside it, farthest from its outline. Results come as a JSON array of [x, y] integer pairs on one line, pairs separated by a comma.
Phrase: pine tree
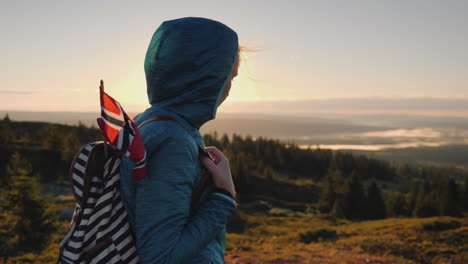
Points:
[[225, 143], [7, 136], [27, 215], [241, 172], [375, 208], [449, 199], [354, 199], [332, 184], [269, 173], [26, 220], [425, 205], [465, 194], [16, 166], [327, 197], [396, 205], [6, 118], [50, 137], [338, 208], [334, 174], [69, 146], [416, 189]]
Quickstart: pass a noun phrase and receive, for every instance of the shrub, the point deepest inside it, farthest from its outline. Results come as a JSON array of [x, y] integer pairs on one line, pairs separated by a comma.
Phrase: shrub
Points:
[[441, 226], [318, 236]]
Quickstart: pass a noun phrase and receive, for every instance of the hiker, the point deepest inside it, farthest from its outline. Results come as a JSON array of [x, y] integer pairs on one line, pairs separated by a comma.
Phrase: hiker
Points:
[[189, 66]]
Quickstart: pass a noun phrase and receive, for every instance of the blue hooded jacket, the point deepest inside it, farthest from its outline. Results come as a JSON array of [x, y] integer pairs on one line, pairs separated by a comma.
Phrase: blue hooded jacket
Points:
[[188, 63]]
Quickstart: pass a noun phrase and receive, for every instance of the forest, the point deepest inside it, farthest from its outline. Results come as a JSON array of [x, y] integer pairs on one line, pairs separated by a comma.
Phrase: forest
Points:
[[272, 178]]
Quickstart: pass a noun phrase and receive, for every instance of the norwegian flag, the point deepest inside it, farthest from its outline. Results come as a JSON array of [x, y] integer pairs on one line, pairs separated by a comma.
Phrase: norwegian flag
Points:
[[121, 131]]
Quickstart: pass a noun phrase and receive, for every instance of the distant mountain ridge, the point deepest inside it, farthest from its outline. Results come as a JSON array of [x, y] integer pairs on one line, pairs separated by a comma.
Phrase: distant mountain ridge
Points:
[[329, 131]]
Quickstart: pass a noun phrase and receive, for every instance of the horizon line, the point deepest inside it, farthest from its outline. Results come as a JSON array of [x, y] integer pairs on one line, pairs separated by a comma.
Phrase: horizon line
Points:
[[314, 113]]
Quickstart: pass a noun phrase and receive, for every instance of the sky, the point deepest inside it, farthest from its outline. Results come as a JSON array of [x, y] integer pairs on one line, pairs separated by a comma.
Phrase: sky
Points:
[[53, 53]]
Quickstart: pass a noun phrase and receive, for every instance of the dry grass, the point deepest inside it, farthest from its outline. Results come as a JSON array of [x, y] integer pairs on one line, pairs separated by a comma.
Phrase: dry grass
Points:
[[405, 240], [267, 239]]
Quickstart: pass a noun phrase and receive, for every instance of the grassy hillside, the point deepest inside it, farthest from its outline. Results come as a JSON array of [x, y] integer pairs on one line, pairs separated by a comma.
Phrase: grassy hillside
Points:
[[306, 238], [302, 239], [295, 205]]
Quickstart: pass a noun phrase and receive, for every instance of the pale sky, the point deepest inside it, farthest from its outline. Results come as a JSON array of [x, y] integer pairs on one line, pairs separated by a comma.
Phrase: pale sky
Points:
[[54, 53]]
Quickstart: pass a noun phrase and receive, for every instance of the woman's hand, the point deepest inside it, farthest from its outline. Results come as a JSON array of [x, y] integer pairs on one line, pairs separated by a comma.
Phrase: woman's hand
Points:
[[219, 170]]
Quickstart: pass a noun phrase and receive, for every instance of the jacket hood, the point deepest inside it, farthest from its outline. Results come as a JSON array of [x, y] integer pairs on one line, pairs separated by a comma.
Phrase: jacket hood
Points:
[[188, 63]]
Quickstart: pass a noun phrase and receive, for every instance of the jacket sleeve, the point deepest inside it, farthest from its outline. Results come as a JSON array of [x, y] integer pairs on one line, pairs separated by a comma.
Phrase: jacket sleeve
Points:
[[164, 231]]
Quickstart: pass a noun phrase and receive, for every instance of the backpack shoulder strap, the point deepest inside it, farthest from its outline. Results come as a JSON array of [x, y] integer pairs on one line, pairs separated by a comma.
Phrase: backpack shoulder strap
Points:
[[89, 161], [205, 175]]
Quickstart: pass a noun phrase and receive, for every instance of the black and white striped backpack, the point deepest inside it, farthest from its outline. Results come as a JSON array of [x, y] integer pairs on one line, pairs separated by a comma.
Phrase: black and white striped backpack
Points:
[[99, 231]]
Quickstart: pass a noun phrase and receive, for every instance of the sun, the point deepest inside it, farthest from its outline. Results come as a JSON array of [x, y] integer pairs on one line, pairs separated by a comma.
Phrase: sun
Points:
[[244, 86]]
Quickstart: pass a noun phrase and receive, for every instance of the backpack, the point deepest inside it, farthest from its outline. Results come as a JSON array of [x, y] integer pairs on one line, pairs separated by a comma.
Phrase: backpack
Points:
[[99, 231]]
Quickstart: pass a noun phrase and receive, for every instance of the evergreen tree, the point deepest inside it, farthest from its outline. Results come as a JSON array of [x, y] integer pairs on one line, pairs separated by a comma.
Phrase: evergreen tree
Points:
[[279, 158], [413, 197], [334, 175], [7, 136], [465, 194], [375, 208], [69, 146], [354, 199], [16, 166], [6, 118], [224, 141], [269, 173], [332, 184], [449, 199], [26, 221], [327, 197], [425, 205], [50, 137], [241, 172], [396, 205], [338, 208]]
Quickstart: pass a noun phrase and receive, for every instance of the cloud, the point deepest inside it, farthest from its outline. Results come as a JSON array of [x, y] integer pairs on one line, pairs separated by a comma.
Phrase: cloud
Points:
[[15, 92], [399, 106], [376, 147], [406, 133]]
